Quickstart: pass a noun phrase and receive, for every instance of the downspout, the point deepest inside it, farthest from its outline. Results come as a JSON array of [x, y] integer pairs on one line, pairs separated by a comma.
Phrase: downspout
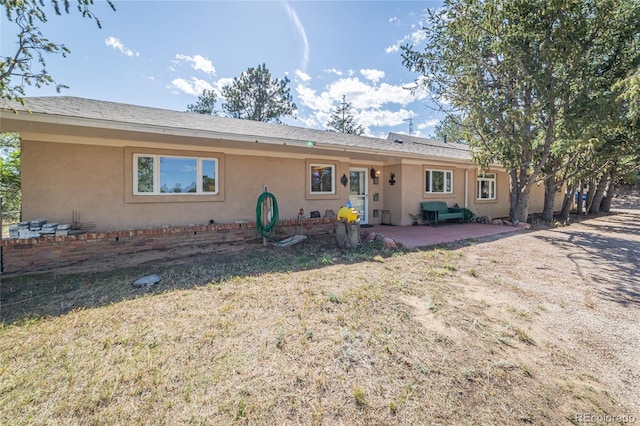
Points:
[[466, 188]]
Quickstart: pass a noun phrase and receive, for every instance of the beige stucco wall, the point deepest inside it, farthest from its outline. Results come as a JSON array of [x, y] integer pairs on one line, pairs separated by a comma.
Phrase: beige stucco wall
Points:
[[536, 199], [493, 208], [404, 198], [393, 194], [94, 181], [410, 192]]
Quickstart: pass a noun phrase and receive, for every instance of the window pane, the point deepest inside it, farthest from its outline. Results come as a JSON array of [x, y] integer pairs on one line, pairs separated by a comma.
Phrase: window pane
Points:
[[427, 181], [208, 175], [438, 181], [448, 182], [357, 182], [321, 179], [486, 189], [145, 174], [177, 175]]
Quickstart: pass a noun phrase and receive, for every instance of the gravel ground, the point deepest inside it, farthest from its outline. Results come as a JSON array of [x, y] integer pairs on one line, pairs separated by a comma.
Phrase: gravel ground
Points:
[[584, 278], [535, 327]]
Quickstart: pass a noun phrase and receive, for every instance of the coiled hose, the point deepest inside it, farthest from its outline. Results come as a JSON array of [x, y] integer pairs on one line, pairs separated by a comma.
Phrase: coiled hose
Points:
[[266, 211]]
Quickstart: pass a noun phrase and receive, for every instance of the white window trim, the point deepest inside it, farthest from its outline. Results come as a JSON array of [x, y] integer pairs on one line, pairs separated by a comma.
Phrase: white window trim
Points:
[[333, 179], [484, 177], [429, 190], [156, 175]]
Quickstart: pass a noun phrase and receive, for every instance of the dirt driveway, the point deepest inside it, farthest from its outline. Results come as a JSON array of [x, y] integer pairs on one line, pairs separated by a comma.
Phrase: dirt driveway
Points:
[[534, 327], [584, 279]]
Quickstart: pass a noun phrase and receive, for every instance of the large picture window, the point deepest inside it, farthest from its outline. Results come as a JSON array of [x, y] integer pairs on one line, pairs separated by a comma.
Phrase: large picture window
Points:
[[439, 181], [158, 174], [323, 179], [487, 186]]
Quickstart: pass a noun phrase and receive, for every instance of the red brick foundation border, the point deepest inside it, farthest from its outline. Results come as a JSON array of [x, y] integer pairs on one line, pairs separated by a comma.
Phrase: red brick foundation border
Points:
[[21, 256]]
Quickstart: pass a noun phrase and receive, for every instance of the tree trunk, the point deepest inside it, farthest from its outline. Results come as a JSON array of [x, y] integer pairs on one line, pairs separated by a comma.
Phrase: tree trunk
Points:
[[550, 191], [590, 192], [518, 197], [599, 193], [605, 205], [567, 202], [348, 235]]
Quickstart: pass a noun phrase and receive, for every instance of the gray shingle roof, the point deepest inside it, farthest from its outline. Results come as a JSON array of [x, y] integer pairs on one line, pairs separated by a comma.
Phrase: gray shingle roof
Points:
[[124, 114]]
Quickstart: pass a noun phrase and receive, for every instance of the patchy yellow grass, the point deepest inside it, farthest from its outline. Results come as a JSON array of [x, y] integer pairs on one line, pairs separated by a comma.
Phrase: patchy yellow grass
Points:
[[302, 336]]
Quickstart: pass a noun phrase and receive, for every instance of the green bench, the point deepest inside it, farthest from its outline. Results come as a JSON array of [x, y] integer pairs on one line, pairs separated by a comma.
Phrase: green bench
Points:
[[435, 211]]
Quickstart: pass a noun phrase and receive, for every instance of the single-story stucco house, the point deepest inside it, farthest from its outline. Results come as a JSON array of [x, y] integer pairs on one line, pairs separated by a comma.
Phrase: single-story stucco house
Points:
[[124, 167]]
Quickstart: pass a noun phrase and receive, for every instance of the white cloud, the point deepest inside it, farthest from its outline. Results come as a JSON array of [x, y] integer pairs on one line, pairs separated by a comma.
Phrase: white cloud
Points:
[[194, 86], [413, 39], [372, 105], [199, 63], [418, 37], [224, 82], [393, 49], [377, 117], [373, 75], [332, 71], [364, 95], [302, 35], [394, 19], [302, 76], [428, 123], [118, 45], [322, 103]]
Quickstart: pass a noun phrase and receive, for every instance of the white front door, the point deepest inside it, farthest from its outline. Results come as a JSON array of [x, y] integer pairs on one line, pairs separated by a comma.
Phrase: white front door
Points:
[[359, 191]]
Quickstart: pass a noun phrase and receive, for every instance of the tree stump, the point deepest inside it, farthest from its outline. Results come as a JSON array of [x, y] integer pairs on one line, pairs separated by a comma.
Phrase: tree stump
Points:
[[348, 235]]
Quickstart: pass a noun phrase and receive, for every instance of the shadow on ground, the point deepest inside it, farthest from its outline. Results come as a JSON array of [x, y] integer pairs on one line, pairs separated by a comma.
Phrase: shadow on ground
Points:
[[53, 293], [57, 292], [605, 251]]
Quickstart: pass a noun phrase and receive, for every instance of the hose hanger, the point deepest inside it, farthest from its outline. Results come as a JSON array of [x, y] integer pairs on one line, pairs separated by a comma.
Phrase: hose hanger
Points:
[[267, 216]]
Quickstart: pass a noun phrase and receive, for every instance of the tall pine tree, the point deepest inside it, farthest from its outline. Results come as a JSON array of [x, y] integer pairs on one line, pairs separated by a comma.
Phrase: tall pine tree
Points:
[[342, 119], [255, 95], [206, 103]]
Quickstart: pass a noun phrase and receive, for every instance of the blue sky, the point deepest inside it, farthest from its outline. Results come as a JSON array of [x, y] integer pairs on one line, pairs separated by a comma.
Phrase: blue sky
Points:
[[164, 53]]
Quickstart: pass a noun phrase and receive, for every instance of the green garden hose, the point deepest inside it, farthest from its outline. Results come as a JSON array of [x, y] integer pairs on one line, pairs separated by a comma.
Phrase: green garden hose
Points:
[[266, 203]]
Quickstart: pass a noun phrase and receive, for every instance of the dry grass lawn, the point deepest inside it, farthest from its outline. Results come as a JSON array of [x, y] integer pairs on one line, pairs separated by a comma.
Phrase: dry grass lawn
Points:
[[468, 334]]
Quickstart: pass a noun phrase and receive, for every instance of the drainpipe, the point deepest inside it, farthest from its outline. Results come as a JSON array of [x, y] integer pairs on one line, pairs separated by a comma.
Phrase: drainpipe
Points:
[[466, 188]]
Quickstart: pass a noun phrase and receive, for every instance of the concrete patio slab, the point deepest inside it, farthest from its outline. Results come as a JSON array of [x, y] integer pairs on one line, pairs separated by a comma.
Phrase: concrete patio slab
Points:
[[421, 236]]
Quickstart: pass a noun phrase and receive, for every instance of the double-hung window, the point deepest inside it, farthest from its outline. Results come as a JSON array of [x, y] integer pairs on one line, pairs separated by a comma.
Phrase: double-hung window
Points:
[[164, 174], [486, 186], [439, 181], [322, 179]]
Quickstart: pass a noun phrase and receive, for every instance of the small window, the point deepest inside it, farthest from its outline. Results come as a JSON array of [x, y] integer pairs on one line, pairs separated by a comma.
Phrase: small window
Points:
[[144, 174], [322, 179], [439, 181], [487, 186], [157, 174]]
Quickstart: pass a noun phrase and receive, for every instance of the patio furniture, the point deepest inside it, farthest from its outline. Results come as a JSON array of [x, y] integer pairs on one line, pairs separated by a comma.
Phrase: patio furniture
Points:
[[435, 211]]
